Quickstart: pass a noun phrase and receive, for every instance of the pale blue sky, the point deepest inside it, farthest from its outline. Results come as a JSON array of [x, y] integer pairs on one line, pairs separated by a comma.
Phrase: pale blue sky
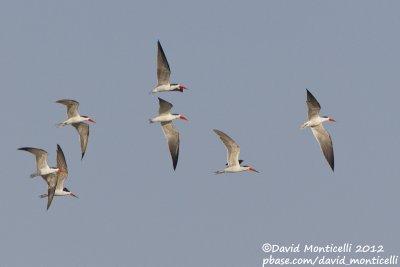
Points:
[[246, 65]]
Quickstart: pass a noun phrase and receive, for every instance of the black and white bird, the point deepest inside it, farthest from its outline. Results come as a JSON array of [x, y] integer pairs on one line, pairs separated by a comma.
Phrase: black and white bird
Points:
[[78, 121], [171, 133], [164, 73], [315, 122], [55, 181], [233, 151], [164, 113]]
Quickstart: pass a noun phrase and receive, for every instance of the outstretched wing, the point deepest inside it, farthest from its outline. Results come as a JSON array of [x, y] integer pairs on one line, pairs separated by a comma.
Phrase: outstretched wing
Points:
[[51, 180], [83, 130], [165, 106], [62, 173], [233, 149], [313, 106], [172, 136], [40, 154], [325, 142], [163, 71], [72, 107]]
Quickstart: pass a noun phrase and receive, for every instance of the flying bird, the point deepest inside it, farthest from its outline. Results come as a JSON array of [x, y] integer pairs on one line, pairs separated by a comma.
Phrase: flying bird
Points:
[[315, 122], [164, 73], [79, 122], [170, 132], [164, 113], [233, 151], [42, 168], [55, 181]]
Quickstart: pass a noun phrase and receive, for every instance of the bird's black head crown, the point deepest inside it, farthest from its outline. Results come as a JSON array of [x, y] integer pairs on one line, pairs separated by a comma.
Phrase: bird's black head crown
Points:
[[65, 189]]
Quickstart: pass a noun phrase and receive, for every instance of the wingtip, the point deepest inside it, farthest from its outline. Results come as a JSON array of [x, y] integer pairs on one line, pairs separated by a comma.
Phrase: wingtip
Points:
[[218, 132], [174, 163], [331, 165], [83, 154]]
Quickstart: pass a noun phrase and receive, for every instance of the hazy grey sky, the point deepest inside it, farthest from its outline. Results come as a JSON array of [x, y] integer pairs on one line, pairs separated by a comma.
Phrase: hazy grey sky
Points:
[[246, 66]]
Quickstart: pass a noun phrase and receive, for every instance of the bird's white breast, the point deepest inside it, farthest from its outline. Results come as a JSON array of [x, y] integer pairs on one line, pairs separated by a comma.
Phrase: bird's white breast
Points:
[[60, 193], [165, 117], [75, 119], [165, 87], [236, 168]]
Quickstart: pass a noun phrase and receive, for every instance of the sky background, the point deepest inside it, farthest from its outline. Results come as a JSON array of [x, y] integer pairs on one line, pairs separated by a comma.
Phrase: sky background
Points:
[[247, 66]]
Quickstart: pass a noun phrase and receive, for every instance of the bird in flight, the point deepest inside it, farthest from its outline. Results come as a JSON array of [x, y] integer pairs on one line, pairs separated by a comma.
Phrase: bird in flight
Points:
[[233, 151], [170, 132], [164, 113], [55, 181], [164, 73], [315, 122], [78, 121]]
